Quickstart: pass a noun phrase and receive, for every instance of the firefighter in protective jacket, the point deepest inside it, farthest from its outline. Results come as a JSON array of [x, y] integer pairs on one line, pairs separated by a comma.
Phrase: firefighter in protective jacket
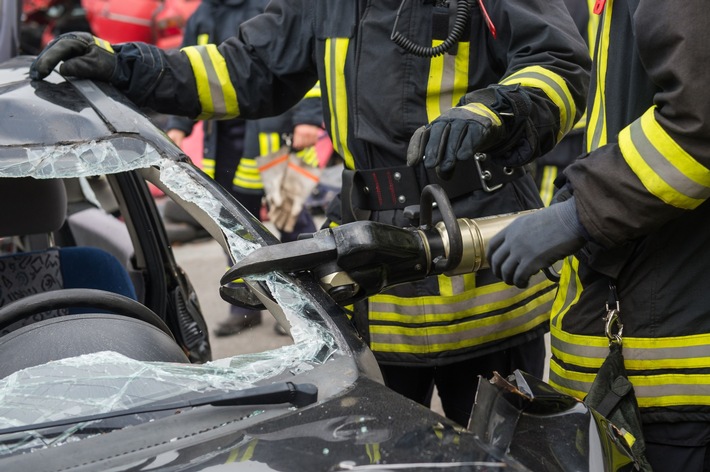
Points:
[[639, 202], [505, 78]]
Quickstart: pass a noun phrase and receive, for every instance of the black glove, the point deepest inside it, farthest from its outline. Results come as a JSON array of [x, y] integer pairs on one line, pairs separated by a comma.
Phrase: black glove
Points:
[[495, 120], [536, 241], [84, 55]]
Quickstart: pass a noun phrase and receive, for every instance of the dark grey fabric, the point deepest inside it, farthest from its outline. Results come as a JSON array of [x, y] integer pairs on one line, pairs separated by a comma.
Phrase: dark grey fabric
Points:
[[31, 206]]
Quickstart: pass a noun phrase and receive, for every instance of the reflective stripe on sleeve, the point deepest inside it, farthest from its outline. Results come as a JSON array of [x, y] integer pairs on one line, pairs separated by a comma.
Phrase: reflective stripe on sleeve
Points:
[[665, 169], [247, 175], [218, 97], [208, 166], [554, 87]]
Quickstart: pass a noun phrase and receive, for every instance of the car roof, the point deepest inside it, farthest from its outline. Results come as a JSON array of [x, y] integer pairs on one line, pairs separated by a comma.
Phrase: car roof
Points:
[[66, 112]]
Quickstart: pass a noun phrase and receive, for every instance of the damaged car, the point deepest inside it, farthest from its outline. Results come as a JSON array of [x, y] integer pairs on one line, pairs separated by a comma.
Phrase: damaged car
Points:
[[106, 355]]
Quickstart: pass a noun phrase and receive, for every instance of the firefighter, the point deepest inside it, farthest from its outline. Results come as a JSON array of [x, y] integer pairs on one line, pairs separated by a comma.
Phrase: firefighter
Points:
[[231, 146], [509, 78], [634, 213]]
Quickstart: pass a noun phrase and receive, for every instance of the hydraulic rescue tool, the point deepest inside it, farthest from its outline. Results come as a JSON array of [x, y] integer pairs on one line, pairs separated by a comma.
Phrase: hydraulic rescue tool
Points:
[[360, 259]]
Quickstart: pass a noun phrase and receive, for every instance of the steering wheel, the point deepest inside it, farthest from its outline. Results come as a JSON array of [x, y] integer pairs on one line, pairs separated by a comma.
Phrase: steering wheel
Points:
[[79, 298]]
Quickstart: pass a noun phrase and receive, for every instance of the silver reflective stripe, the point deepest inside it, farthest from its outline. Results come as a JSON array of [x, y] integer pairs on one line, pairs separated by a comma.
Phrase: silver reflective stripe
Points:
[[585, 351], [663, 167], [635, 353], [423, 337], [577, 386], [446, 95], [216, 92], [466, 304]]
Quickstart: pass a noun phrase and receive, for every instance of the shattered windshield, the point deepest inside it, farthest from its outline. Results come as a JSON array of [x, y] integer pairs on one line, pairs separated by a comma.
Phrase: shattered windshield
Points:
[[107, 381]]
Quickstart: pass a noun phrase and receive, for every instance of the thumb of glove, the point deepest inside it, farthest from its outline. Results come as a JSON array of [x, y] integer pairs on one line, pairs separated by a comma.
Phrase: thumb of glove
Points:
[[533, 242], [417, 144]]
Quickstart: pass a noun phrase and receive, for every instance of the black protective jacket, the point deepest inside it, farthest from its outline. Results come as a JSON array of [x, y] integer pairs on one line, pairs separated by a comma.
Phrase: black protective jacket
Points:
[[642, 195], [214, 21], [375, 95]]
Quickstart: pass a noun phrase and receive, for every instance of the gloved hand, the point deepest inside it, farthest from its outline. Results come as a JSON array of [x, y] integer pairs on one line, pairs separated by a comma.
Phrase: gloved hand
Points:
[[298, 183], [493, 120], [457, 134], [84, 55], [536, 241], [272, 169]]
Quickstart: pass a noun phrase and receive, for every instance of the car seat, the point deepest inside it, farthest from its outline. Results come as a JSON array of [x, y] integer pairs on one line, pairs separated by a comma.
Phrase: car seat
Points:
[[37, 210], [34, 209]]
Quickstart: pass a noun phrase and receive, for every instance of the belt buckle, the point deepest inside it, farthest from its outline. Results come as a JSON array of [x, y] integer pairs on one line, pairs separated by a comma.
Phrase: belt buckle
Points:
[[483, 174]]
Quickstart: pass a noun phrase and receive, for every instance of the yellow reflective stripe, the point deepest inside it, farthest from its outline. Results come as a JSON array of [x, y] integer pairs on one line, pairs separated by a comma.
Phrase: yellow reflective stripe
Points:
[[218, 97], [547, 184], [449, 286], [314, 92], [483, 110], [373, 453], [581, 124], [592, 25], [569, 291], [203, 39], [458, 324], [463, 59], [445, 285], [663, 390], [336, 50], [554, 86], [448, 80], [247, 174], [208, 166], [573, 383], [268, 143], [488, 298], [664, 168], [103, 44], [597, 132], [242, 455], [678, 352], [433, 339], [308, 156]]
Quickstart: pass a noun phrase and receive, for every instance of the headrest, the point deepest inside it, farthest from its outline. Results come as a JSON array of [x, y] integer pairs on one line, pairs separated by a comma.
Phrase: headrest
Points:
[[31, 206]]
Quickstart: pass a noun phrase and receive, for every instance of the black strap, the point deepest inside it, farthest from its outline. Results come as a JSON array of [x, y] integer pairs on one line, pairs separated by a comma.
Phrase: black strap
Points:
[[619, 389], [395, 188]]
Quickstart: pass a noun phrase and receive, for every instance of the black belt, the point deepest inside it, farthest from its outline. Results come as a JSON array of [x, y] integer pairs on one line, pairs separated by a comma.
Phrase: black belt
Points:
[[395, 188]]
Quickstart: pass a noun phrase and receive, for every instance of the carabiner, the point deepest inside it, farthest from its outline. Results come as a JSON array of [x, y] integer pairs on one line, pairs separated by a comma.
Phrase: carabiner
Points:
[[611, 319]]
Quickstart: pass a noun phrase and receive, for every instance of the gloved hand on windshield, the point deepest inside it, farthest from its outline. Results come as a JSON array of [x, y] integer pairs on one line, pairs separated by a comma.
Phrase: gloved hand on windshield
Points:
[[84, 55], [298, 183], [492, 120], [536, 241]]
